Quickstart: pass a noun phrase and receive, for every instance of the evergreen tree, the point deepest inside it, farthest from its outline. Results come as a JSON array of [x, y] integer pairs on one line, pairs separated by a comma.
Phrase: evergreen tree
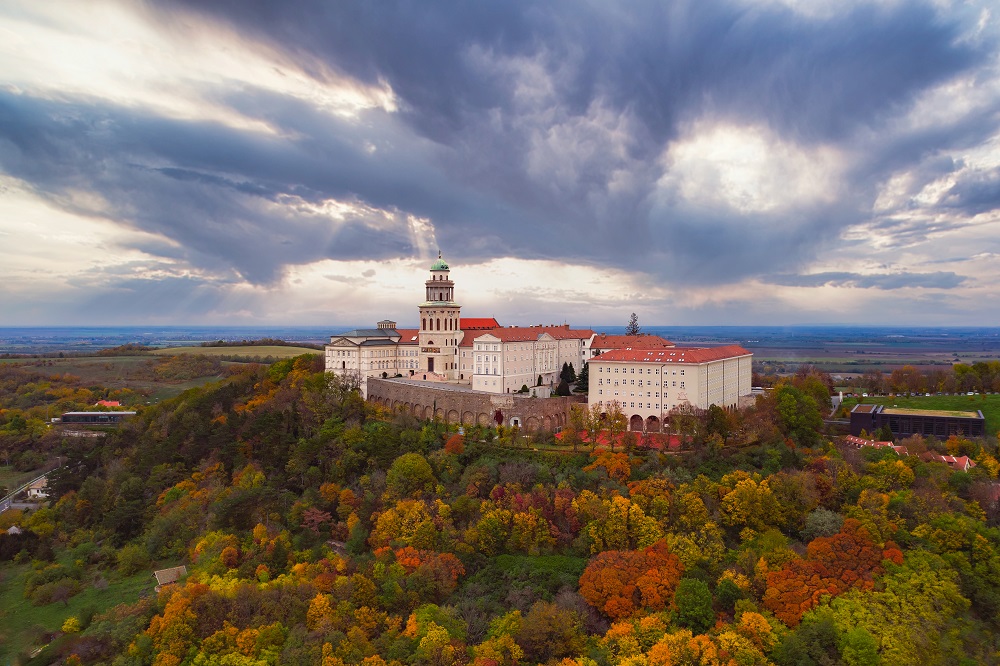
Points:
[[583, 379], [633, 325], [567, 374]]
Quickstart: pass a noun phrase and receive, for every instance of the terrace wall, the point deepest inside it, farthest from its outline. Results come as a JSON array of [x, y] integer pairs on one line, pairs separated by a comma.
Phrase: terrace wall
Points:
[[472, 407]]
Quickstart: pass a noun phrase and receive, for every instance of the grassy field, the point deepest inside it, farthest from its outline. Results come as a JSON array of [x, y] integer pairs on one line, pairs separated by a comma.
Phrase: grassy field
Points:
[[989, 404], [133, 372], [277, 351], [10, 478], [22, 624]]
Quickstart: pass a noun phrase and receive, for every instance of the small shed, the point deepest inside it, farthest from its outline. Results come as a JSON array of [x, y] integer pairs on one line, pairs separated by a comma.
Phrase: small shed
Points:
[[169, 576]]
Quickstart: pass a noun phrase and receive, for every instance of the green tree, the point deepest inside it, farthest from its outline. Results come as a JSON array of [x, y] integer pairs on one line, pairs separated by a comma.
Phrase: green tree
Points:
[[798, 415], [583, 379], [859, 648], [694, 605], [410, 475]]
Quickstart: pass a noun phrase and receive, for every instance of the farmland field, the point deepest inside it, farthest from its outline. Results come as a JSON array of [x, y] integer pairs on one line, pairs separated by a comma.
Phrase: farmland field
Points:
[[263, 351], [114, 372]]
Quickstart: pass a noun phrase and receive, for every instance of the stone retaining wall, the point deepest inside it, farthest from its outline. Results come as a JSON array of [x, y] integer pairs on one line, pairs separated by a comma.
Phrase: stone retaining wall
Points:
[[469, 407]]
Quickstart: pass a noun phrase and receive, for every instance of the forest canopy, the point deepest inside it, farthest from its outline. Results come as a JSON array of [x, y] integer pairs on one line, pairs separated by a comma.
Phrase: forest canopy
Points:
[[316, 528]]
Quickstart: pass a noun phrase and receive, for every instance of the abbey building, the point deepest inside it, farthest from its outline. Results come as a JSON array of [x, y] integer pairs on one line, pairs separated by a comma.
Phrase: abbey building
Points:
[[474, 351], [646, 374]]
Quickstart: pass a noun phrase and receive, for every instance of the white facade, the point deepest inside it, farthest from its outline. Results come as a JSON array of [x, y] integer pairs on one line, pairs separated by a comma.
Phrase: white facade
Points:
[[647, 384], [374, 352]]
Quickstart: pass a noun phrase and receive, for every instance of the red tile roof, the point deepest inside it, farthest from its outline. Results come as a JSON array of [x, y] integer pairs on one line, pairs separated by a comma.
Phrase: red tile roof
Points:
[[408, 336], [673, 354], [565, 332], [604, 341], [961, 463], [478, 323], [529, 334], [107, 403]]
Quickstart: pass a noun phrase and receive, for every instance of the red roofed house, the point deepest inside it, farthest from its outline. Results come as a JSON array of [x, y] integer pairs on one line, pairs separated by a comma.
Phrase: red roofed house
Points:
[[957, 463], [107, 403], [648, 383]]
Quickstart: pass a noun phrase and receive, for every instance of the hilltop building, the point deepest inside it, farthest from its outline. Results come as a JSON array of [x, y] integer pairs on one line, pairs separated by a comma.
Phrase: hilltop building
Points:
[[476, 351], [480, 354]]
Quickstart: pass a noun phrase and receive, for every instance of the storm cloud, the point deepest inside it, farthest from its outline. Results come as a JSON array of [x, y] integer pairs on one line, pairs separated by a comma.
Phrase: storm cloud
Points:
[[694, 144]]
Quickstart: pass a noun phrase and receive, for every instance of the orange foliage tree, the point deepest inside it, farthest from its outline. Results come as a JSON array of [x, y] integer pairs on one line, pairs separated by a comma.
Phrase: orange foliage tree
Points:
[[620, 583], [615, 464], [833, 565]]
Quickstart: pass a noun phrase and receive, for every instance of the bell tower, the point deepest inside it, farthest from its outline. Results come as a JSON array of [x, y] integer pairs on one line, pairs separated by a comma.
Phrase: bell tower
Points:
[[440, 323]]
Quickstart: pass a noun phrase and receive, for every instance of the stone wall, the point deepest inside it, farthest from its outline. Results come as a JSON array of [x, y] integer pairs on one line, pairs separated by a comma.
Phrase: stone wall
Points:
[[426, 401]]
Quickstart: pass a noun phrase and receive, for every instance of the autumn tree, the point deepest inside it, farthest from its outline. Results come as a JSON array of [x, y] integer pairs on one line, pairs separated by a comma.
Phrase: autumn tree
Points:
[[616, 465], [621, 583], [833, 565], [549, 632]]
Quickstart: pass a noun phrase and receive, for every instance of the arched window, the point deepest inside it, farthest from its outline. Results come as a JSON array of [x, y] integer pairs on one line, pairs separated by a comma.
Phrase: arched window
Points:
[[423, 323], [439, 324]]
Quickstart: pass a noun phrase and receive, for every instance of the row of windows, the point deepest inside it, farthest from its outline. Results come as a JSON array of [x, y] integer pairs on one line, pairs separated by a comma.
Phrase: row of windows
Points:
[[600, 382], [378, 353], [427, 324], [626, 371], [649, 405], [649, 394]]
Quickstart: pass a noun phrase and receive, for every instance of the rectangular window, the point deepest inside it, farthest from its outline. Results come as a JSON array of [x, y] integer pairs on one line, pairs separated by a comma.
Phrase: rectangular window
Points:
[[682, 384]]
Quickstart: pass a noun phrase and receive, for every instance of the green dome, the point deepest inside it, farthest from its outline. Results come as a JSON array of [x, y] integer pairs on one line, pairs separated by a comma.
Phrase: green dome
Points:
[[439, 265]]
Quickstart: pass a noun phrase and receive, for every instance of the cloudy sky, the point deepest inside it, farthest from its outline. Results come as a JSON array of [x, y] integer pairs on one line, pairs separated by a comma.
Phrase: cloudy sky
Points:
[[301, 162]]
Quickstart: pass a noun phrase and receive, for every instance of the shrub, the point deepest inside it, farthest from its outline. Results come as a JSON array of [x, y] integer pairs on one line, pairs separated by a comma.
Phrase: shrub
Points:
[[132, 559]]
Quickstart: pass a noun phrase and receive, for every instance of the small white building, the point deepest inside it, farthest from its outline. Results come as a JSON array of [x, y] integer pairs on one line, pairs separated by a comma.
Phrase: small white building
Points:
[[39, 489]]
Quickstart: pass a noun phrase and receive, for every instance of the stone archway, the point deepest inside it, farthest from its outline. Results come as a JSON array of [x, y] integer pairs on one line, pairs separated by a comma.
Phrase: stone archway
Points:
[[635, 423], [547, 423], [531, 423], [468, 418], [452, 416], [483, 419], [652, 424]]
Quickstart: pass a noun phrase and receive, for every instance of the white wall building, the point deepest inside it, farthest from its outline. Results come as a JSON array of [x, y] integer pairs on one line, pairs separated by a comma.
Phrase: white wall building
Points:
[[648, 383], [474, 351]]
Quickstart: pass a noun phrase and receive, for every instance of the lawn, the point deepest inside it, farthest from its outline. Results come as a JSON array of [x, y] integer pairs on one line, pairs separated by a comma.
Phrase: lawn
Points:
[[276, 351], [988, 404], [10, 478], [23, 624]]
